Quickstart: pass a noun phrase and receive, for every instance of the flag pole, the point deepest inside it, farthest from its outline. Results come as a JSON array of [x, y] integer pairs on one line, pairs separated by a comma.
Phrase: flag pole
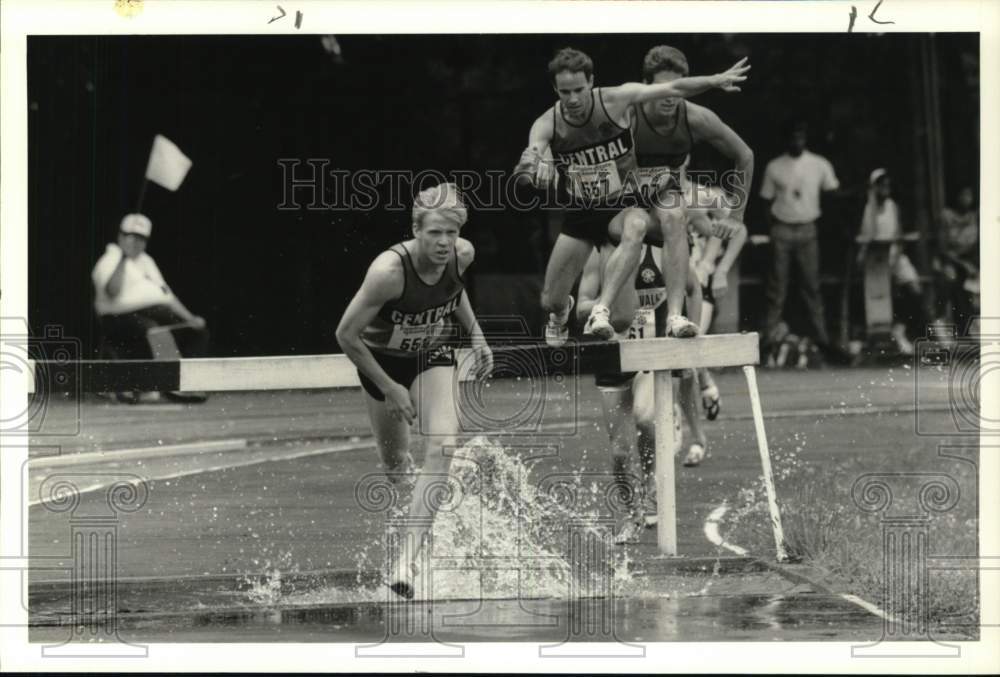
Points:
[[142, 194]]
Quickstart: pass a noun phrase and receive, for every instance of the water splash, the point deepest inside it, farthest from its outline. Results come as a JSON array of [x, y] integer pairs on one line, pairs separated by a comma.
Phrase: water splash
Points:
[[265, 589], [510, 530]]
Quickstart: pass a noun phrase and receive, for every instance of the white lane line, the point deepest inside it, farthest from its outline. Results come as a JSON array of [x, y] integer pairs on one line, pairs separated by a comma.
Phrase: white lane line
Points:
[[712, 531], [869, 607], [712, 534], [354, 446], [165, 451]]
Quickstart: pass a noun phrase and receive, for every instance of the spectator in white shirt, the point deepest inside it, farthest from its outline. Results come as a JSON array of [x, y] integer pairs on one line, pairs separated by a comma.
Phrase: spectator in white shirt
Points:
[[131, 297], [792, 184], [880, 221]]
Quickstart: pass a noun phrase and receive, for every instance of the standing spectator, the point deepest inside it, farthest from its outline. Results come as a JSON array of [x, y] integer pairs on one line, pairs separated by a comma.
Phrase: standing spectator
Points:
[[131, 298], [880, 221], [792, 184], [957, 260]]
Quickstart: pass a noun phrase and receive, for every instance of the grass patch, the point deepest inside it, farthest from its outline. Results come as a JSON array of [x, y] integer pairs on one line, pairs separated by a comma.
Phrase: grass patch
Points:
[[826, 529]]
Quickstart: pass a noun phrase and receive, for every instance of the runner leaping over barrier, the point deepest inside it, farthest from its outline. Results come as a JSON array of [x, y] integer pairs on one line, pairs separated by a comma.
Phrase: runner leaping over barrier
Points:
[[659, 355]]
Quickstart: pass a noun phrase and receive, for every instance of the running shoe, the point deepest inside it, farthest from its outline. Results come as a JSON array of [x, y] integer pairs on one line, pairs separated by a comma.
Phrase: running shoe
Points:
[[599, 323], [556, 331], [679, 326], [696, 454], [630, 532], [402, 579]]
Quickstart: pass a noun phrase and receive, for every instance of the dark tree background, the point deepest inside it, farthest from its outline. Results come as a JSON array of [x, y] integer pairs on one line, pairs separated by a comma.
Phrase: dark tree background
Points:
[[273, 281]]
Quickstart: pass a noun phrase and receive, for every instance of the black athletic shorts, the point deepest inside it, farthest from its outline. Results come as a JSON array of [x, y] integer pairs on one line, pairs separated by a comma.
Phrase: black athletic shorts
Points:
[[590, 222], [403, 369]]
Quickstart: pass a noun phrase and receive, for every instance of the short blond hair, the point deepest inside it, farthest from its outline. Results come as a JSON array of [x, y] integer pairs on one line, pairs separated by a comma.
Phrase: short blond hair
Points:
[[444, 199]]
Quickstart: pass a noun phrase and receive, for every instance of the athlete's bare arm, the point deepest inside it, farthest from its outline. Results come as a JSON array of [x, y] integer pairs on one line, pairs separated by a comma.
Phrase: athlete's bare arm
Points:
[[711, 265], [383, 282], [707, 126], [466, 254], [637, 92], [539, 138], [733, 248]]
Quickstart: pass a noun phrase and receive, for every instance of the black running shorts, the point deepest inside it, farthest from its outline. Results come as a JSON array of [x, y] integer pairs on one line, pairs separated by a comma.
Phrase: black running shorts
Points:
[[404, 369]]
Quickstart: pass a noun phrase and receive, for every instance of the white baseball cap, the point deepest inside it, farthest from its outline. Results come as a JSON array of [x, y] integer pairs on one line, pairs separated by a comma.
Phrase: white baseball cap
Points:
[[137, 224], [876, 175]]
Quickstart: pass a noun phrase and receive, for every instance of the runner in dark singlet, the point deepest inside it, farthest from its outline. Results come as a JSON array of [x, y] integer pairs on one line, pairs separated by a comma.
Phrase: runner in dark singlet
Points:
[[399, 331], [588, 135], [639, 312], [666, 130]]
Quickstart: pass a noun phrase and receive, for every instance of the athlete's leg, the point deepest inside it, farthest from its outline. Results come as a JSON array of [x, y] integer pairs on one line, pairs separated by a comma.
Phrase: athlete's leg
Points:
[[434, 393], [643, 405], [630, 225], [620, 426], [707, 311], [623, 307], [688, 396], [569, 255], [621, 429], [392, 440], [675, 258], [693, 302]]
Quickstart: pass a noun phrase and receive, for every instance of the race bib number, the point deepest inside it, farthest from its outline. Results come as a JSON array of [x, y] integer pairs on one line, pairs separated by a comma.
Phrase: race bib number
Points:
[[416, 337], [643, 324], [593, 182], [654, 179]]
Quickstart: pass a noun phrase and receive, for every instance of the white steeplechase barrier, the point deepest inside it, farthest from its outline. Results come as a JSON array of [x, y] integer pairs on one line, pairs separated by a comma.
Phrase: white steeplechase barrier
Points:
[[657, 355]]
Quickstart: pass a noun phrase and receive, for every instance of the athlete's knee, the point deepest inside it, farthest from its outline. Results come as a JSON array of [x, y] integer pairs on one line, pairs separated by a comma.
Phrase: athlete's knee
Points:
[[635, 224], [673, 226]]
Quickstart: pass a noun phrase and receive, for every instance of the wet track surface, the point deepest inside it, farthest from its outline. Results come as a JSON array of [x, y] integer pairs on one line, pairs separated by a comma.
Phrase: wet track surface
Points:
[[802, 616], [276, 497]]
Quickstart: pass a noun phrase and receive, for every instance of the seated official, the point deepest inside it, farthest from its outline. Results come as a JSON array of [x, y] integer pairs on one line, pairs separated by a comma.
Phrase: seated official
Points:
[[131, 297]]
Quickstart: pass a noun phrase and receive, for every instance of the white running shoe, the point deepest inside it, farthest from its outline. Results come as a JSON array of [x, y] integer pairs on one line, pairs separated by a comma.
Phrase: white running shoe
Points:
[[599, 323], [650, 511], [556, 331], [402, 578], [630, 532], [679, 326], [696, 454]]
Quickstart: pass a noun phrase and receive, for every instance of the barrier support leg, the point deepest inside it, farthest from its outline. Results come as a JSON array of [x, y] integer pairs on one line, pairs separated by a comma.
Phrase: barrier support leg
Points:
[[765, 463], [666, 529]]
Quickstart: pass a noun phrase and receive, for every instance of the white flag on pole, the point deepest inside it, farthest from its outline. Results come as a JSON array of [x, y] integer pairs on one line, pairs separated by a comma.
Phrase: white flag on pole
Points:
[[167, 164]]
